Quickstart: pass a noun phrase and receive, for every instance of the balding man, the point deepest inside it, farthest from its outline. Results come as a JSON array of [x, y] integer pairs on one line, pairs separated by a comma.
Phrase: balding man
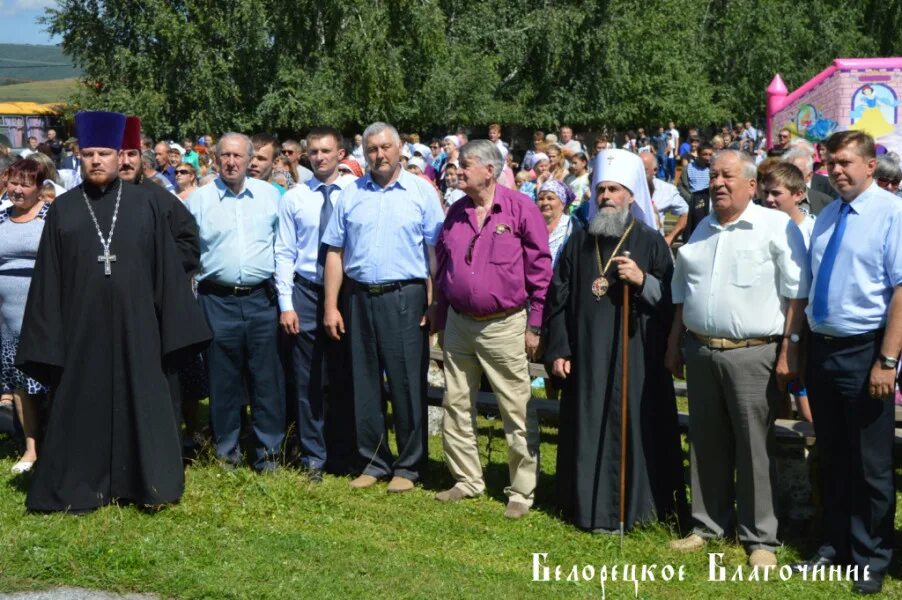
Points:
[[739, 286], [666, 198], [238, 220]]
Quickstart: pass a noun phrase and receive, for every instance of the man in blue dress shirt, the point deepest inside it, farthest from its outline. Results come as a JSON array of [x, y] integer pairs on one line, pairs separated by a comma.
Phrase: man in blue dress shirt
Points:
[[855, 316], [238, 220], [303, 215], [382, 237]]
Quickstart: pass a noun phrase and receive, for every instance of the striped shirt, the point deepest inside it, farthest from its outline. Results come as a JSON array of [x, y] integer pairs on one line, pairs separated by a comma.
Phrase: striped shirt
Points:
[[698, 178]]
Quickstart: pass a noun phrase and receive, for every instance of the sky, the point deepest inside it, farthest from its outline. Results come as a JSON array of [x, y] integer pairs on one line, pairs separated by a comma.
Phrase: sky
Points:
[[18, 22]]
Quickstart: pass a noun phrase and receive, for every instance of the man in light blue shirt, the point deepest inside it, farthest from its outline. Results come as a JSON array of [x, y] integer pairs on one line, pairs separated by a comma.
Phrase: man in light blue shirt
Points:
[[314, 381], [238, 220], [381, 239], [855, 316]]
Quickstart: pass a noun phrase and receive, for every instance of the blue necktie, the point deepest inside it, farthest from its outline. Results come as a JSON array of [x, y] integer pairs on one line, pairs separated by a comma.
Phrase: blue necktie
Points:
[[325, 213], [821, 289]]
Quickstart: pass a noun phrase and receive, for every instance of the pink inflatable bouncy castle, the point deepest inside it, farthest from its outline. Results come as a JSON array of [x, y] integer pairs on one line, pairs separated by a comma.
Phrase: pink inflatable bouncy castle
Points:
[[852, 93]]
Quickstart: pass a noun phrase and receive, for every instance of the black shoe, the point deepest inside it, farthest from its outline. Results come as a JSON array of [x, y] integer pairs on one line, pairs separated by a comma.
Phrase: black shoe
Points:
[[313, 474], [872, 585], [815, 561]]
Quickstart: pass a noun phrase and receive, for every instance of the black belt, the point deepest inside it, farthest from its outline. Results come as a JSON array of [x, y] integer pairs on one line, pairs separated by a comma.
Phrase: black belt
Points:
[[848, 340], [208, 287], [316, 287], [377, 289]]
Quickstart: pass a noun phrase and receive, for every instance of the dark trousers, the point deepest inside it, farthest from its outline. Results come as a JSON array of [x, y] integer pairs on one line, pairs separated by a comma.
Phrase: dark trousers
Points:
[[245, 341], [385, 335], [855, 436], [323, 417]]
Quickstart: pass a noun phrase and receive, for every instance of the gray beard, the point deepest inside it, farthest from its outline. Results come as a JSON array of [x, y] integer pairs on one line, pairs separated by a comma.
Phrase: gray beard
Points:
[[609, 223]]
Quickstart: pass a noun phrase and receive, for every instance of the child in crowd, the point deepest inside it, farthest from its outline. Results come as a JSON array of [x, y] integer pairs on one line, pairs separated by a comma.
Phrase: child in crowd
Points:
[[48, 193]]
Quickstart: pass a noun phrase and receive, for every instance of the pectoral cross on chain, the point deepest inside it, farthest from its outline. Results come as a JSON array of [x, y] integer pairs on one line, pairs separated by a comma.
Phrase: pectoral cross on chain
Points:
[[106, 258]]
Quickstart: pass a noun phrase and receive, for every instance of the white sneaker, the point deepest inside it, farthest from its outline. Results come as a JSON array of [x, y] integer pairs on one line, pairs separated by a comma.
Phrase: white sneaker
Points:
[[23, 466]]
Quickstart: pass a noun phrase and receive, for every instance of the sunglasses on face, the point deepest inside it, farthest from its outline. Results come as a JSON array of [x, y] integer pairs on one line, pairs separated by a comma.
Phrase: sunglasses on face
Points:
[[182, 172], [288, 152]]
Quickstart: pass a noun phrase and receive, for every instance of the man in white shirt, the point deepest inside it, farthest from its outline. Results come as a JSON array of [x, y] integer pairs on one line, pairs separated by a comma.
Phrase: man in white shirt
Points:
[[304, 212], [739, 288], [666, 198]]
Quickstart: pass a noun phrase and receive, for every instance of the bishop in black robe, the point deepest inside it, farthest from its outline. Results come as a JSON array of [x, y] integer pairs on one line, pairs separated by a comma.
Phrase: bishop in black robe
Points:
[[102, 342], [588, 332]]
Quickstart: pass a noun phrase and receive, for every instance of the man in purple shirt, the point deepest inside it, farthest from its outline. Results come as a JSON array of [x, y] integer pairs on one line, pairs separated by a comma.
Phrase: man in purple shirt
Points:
[[493, 270]]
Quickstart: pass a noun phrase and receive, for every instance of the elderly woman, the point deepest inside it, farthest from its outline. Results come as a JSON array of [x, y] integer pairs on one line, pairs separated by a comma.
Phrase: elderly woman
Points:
[[553, 199], [20, 231], [185, 179]]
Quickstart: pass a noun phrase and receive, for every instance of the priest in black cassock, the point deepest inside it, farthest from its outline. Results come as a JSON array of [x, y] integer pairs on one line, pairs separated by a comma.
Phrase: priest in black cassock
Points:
[[109, 305], [583, 320]]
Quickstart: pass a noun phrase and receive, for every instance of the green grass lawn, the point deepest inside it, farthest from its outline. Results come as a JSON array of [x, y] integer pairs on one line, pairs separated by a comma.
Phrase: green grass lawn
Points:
[[54, 90], [240, 535]]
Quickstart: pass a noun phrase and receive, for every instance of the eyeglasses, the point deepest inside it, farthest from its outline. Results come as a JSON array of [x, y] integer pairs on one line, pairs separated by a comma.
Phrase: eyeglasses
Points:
[[468, 258], [182, 172], [287, 152]]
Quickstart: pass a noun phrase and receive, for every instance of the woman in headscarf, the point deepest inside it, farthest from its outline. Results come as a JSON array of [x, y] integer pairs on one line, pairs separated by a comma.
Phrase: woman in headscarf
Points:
[[553, 199]]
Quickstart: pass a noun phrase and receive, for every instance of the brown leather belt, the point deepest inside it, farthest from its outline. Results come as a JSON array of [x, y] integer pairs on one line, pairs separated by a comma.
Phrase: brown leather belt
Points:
[[496, 315], [731, 344]]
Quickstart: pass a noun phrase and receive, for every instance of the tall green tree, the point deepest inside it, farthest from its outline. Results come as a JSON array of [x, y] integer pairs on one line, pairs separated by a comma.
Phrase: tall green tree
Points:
[[191, 66]]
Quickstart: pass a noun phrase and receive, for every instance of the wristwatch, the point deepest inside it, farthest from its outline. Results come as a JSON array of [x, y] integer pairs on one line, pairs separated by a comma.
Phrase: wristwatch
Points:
[[888, 362], [534, 330], [793, 338]]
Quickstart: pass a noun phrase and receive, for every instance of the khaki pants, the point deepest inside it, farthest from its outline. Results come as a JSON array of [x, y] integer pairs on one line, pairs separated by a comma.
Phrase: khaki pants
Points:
[[495, 347]]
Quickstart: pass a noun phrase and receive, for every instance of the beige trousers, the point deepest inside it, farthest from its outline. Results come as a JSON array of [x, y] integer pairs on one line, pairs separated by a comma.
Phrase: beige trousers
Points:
[[495, 347]]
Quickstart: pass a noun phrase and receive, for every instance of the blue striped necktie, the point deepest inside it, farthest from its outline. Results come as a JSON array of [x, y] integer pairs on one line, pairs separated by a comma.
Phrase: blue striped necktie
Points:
[[821, 289]]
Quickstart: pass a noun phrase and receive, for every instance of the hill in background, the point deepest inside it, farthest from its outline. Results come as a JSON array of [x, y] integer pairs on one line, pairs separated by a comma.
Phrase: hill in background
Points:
[[43, 92], [21, 63]]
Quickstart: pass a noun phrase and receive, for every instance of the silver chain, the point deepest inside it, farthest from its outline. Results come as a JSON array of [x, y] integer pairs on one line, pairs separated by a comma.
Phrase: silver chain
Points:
[[105, 243]]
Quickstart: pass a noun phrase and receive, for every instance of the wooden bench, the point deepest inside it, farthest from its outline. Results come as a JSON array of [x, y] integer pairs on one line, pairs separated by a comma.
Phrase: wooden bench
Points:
[[788, 430]]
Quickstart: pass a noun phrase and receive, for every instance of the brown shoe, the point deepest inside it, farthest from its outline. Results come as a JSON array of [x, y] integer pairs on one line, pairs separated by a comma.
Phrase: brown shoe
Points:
[[364, 481], [515, 510], [690, 543], [762, 558], [399, 484], [454, 494]]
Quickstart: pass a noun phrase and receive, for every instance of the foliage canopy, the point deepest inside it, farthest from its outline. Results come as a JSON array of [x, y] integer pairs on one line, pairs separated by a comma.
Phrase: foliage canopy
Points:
[[188, 66]]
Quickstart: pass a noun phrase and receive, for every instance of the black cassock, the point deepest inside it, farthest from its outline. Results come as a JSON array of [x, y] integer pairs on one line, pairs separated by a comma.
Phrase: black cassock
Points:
[[588, 459], [101, 342], [181, 224], [187, 241]]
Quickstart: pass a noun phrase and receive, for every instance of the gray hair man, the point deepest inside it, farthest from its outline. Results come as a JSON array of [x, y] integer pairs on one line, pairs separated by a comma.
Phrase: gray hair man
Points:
[[739, 287], [802, 159], [380, 238], [493, 262]]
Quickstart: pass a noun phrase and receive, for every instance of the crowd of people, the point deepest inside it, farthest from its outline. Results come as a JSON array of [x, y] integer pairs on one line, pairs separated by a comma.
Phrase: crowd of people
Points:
[[304, 279]]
